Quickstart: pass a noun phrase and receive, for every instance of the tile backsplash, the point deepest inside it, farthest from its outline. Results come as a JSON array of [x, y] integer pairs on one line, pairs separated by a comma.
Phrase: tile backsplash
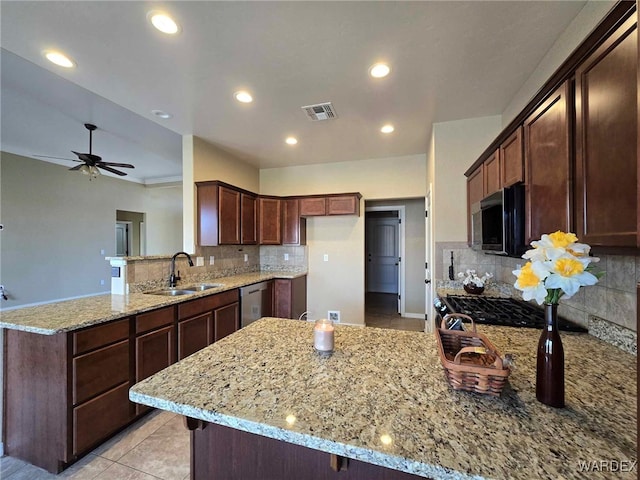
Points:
[[612, 299], [146, 273]]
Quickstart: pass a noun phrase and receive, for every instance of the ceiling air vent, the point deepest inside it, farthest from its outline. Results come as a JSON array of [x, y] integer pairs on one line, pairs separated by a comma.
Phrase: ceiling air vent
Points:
[[321, 111]]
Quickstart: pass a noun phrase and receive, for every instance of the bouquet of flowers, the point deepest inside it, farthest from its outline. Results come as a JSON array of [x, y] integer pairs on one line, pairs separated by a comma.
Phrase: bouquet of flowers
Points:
[[558, 265], [471, 278]]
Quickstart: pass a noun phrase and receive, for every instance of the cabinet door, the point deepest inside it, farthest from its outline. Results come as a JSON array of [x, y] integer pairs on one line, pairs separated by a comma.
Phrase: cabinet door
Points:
[[491, 174], [226, 320], [270, 230], [475, 193], [294, 227], [228, 216], [249, 225], [207, 213], [343, 205], [606, 146], [546, 137], [154, 351], [511, 162], [194, 334], [290, 297], [313, 206]]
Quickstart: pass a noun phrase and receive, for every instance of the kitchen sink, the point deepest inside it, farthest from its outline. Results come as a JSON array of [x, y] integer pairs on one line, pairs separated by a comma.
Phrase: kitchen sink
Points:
[[203, 286], [171, 292]]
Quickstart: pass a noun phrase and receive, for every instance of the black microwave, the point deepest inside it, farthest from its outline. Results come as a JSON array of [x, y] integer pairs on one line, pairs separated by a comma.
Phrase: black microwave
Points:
[[497, 222]]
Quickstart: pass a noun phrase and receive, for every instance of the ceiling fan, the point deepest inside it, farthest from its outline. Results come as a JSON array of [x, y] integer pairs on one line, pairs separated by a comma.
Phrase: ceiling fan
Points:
[[90, 162]]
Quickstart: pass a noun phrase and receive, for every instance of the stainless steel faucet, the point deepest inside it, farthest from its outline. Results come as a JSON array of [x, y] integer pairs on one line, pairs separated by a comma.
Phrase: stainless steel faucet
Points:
[[173, 278]]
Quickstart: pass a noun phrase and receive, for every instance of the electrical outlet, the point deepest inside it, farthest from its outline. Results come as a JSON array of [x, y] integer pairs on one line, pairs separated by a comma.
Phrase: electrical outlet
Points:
[[325, 257], [212, 260], [286, 257], [101, 282], [246, 257], [334, 316], [102, 251], [199, 261]]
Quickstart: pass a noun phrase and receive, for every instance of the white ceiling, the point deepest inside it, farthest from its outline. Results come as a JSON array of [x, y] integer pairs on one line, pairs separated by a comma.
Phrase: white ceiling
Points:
[[449, 60]]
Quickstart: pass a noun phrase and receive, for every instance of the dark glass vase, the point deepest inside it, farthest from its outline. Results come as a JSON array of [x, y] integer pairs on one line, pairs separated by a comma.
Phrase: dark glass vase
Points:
[[550, 364]]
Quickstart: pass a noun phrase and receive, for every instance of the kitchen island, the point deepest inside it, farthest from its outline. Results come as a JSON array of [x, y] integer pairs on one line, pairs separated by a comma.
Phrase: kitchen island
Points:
[[381, 399]]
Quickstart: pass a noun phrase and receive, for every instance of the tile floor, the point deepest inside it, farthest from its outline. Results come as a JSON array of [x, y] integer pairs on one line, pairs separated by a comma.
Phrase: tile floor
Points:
[[157, 446]]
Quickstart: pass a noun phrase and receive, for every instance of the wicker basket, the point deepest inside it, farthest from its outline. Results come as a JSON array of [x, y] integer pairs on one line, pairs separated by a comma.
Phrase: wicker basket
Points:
[[471, 362]]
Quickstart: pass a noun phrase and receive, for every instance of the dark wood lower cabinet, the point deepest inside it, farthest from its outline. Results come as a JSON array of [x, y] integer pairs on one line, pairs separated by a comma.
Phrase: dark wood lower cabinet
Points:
[[225, 453], [226, 320], [290, 297], [194, 334]]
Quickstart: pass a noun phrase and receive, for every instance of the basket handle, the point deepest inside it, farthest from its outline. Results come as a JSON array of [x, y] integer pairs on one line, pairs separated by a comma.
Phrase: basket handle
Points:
[[443, 324], [481, 350]]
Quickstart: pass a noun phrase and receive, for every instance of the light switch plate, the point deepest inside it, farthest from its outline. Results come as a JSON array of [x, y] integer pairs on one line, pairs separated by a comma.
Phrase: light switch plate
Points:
[[199, 261], [326, 257], [286, 257], [211, 260]]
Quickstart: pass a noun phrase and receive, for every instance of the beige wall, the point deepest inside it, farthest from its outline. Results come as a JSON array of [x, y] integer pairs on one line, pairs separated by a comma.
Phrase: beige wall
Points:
[[202, 161], [339, 283], [576, 32], [456, 145], [57, 222]]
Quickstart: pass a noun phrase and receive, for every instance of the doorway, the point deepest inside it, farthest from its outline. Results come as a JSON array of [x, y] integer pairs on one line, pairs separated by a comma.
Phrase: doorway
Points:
[[130, 234], [384, 250]]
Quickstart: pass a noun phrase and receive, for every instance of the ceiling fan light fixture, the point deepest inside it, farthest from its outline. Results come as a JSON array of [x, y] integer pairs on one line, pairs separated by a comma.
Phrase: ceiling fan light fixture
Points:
[[59, 58], [84, 169], [163, 22]]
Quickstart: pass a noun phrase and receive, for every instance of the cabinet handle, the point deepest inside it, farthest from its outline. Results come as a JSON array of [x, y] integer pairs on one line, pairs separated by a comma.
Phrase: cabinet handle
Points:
[[338, 463]]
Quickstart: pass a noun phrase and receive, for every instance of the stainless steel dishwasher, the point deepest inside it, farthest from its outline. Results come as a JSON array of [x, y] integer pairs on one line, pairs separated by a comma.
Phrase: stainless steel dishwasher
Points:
[[254, 301]]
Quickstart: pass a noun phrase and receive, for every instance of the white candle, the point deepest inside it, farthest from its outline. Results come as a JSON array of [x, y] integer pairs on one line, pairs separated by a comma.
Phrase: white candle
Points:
[[323, 335]]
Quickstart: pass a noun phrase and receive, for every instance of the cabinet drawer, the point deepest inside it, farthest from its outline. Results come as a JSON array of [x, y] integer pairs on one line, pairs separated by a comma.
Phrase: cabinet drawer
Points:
[[100, 370], [155, 319], [95, 337], [207, 304], [94, 420]]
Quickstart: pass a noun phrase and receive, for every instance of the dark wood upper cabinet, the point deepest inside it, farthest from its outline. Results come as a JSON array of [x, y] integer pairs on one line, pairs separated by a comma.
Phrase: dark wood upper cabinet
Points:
[[344, 204], [249, 222], [270, 221], [606, 186], [547, 134], [511, 161], [475, 193], [229, 216], [313, 206], [294, 226], [491, 174]]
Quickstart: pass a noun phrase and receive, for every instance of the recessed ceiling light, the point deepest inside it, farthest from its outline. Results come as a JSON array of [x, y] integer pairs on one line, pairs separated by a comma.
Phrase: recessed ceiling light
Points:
[[161, 114], [379, 70], [388, 128], [163, 22], [243, 96], [291, 140], [59, 59]]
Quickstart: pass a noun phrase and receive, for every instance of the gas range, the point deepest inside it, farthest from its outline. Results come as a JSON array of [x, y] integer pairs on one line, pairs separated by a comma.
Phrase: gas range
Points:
[[499, 311]]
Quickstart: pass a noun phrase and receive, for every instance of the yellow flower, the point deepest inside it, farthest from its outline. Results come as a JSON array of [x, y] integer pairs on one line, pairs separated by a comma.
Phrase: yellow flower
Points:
[[562, 240], [531, 281], [568, 267]]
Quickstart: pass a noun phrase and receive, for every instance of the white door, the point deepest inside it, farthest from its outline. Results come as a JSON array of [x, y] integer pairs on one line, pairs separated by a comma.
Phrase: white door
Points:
[[123, 239], [382, 254]]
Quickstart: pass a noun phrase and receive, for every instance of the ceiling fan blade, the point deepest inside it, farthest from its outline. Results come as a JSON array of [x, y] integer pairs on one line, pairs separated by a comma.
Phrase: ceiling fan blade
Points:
[[111, 164], [77, 167], [58, 158], [112, 170], [88, 157]]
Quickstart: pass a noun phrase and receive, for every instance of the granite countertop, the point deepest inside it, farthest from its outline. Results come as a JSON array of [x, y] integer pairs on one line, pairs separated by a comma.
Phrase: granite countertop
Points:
[[69, 315], [267, 379]]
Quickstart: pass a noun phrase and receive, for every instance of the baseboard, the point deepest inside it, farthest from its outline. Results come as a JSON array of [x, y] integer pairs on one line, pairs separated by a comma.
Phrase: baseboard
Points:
[[413, 315]]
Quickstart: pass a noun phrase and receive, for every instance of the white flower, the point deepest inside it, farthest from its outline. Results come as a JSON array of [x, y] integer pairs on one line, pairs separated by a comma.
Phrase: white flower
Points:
[[470, 277], [568, 274], [531, 281]]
